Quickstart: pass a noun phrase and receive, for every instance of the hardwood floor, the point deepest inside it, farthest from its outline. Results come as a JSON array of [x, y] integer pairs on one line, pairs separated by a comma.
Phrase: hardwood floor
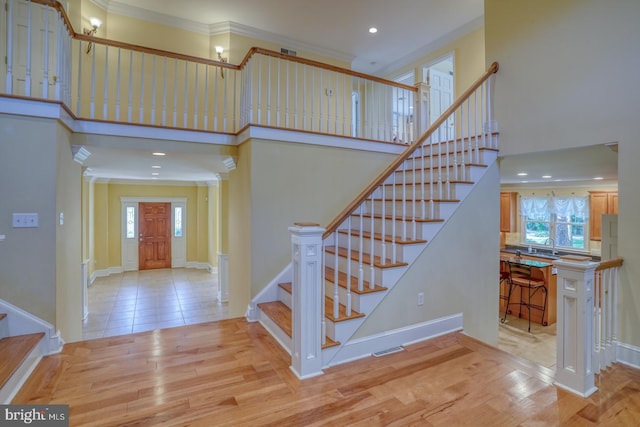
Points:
[[231, 373]]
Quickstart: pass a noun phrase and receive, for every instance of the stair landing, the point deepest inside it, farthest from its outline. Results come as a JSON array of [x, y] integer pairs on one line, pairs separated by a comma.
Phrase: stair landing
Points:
[[14, 350]]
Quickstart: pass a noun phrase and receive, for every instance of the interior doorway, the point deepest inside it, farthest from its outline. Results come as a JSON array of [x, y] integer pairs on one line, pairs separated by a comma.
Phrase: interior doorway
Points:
[[439, 75]]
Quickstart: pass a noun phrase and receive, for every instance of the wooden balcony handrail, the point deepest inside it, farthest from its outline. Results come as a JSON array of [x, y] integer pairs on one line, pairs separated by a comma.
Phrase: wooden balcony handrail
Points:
[[333, 225], [254, 50], [611, 263]]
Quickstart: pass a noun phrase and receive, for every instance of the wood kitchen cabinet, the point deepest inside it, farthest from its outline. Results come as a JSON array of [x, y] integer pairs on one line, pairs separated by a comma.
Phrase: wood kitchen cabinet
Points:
[[508, 211], [601, 203]]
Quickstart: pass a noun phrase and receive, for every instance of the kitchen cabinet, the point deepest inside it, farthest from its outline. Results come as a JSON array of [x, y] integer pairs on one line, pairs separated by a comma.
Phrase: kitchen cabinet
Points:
[[600, 203], [508, 211]]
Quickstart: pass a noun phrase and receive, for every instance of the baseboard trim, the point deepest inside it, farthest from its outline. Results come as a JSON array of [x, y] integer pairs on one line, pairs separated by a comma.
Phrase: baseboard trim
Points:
[[628, 354], [365, 347]]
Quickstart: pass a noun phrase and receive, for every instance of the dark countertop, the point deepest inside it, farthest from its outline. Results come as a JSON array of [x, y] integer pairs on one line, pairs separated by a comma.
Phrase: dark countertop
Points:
[[545, 254]]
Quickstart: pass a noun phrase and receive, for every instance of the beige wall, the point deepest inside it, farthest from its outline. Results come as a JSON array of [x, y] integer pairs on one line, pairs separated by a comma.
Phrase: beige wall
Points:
[[28, 185], [40, 267], [568, 78], [69, 304]]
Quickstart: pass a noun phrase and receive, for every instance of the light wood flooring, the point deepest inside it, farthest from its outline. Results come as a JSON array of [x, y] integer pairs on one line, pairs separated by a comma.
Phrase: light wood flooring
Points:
[[232, 373]]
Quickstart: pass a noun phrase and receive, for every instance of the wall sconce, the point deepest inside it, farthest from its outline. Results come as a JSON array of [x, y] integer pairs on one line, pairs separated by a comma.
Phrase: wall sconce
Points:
[[219, 50], [95, 24]]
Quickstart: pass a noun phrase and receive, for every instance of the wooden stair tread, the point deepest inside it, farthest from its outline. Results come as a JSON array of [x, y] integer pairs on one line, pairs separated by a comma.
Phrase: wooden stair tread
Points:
[[399, 218], [329, 274], [282, 316], [366, 259], [14, 350], [387, 237], [279, 313]]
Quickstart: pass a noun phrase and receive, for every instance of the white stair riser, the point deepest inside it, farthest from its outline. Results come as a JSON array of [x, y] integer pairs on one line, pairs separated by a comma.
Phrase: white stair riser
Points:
[[379, 274], [424, 230], [285, 297], [468, 173], [379, 247], [410, 208], [425, 191], [362, 303], [443, 159]]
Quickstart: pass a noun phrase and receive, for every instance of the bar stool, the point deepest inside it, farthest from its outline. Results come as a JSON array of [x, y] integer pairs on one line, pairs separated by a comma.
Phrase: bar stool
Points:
[[530, 281]]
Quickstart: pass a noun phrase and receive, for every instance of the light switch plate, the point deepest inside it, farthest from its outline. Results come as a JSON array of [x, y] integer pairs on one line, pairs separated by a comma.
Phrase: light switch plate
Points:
[[25, 220]]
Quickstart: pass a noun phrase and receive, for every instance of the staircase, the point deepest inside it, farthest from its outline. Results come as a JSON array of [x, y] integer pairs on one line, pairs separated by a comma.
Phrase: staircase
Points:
[[374, 241], [20, 355]]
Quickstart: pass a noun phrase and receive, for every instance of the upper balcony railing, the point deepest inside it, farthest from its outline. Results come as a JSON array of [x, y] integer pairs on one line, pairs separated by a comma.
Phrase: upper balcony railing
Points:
[[105, 80]]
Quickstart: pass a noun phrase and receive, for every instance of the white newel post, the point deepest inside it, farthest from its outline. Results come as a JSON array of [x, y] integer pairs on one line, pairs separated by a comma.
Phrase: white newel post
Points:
[[422, 113], [306, 253], [574, 370]]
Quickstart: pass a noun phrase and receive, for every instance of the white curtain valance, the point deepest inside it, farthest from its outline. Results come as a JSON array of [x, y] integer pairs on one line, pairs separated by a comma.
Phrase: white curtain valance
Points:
[[561, 206], [571, 206], [534, 206]]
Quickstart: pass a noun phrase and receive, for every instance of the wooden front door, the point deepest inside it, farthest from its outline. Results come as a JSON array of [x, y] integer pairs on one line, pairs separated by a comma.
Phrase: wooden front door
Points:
[[154, 232]]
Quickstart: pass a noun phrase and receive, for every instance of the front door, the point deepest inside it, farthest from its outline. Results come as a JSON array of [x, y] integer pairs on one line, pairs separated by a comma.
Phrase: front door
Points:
[[154, 236]]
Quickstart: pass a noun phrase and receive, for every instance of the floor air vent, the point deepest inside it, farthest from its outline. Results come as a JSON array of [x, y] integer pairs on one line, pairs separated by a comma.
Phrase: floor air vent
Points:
[[388, 351]]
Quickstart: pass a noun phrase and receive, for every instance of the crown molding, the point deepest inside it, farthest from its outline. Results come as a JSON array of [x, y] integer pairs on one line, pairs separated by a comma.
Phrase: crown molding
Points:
[[282, 41], [148, 15], [426, 50], [213, 29]]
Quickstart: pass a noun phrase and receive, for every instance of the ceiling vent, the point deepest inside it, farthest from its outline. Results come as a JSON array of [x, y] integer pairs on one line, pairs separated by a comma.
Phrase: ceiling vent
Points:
[[288, 51]]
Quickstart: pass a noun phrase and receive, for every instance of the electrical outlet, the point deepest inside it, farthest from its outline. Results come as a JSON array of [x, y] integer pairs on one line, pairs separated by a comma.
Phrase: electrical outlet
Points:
[[421, 298]]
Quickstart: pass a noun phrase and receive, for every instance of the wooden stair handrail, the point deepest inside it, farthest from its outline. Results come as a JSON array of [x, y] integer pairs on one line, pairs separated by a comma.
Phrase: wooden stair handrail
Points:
[[611, 263], [333, 225], [254, 50]]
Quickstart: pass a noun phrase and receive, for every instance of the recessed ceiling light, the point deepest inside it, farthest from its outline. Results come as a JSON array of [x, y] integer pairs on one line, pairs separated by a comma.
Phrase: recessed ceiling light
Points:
[[158, 153], [155, 173], [156, 166], [598, 178], [546, 176], [373, 30], [557, 180], [524, 182], [522, 174]]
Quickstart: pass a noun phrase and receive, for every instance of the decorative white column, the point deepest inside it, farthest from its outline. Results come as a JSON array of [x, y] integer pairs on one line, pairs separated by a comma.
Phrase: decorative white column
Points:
[[422, 109], [223, 277], [574, 369], [306, 250]]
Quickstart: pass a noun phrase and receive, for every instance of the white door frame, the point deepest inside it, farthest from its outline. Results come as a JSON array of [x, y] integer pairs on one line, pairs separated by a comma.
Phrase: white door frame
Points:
[[129, 246]]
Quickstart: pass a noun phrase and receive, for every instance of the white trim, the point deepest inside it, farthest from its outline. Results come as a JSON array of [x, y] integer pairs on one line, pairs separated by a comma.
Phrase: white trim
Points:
[[200, 266], [268, 293], [179, 243], [258, 132], [129, 247], [21, 322], [628, 354], [20, 375], [151, 132], [366, 346]]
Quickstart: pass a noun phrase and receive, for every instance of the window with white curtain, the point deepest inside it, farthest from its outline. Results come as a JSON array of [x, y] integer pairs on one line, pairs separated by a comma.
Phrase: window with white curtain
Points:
[[555, 219]]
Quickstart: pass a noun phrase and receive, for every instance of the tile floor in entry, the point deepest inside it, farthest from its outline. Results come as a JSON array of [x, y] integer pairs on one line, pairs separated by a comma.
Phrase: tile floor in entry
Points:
[[138, 301]]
